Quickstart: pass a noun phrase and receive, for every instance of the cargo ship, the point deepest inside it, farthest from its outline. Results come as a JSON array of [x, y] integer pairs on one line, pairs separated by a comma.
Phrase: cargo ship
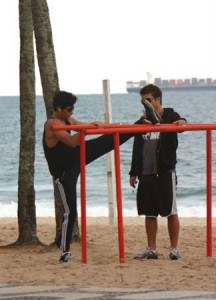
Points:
[[174, 84]]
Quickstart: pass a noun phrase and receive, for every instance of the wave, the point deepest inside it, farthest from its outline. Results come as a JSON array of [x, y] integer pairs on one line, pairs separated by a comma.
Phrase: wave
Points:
[[42, 210]]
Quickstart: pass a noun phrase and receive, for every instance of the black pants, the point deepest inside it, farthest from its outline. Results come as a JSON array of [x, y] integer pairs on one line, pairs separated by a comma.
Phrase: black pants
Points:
[[95, 148]]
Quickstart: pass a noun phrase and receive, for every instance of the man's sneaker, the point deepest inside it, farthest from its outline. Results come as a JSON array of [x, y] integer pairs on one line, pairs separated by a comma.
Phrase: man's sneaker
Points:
[[174, 254], [151, 113], [143, 120], [65, 257], [147, 253]]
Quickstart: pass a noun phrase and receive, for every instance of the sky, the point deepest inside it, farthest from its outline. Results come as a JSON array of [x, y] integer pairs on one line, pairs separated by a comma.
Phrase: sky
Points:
[[118, 40]]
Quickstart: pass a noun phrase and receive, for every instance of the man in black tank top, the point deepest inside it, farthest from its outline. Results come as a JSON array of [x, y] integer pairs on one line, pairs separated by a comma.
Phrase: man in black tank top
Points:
[[62, 152]]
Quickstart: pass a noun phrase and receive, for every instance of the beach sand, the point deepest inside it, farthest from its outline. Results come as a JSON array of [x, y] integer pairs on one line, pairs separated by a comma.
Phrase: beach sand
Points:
[[38, 265]]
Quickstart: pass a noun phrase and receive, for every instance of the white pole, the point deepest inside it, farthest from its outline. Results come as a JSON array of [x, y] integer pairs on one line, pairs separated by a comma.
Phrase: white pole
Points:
[[110, 157]]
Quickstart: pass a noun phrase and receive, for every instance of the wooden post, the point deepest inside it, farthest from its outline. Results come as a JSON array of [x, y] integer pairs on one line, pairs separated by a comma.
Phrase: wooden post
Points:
[[110, 157]]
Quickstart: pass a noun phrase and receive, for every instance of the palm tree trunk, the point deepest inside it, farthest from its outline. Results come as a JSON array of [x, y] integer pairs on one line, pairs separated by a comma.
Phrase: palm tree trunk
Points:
[[50, 84], [26, 192], [45, 52]]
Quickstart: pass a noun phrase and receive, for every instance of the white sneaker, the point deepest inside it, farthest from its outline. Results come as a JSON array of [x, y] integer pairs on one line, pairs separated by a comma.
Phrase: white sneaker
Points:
[[174, 254], [147, 253], [65, 257]]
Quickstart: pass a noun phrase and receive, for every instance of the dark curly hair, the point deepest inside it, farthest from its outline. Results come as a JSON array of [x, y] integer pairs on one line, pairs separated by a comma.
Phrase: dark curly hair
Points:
[[63, 99]]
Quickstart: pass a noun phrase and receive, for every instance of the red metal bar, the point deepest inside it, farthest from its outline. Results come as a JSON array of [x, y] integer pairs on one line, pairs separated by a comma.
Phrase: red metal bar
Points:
[[119, 199], [209, 190], [127, 128], [152, 128], [83, 195], [91, 126]]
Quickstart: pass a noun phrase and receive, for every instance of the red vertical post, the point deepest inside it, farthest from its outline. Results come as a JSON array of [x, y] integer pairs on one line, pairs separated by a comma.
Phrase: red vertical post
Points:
[[209, 190], [83, 194], [119, 198]]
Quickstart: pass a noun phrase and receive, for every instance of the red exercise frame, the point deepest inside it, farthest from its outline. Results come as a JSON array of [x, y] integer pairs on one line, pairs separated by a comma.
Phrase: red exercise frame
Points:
[[116, 129]]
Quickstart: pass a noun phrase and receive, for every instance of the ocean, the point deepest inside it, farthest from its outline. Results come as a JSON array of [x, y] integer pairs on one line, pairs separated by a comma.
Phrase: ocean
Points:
[[197, 107]]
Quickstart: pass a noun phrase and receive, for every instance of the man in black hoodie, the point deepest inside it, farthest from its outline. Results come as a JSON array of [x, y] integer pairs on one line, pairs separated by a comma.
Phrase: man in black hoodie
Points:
[[153, 163]]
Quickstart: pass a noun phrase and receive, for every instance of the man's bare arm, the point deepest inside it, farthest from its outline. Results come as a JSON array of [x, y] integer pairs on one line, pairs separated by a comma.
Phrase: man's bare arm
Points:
[[54, 136]]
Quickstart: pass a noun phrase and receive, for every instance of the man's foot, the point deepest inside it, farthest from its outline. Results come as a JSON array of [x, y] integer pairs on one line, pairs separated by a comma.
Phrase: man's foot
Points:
[[151, 113], [65, 257], [147, 253], [174, 254]]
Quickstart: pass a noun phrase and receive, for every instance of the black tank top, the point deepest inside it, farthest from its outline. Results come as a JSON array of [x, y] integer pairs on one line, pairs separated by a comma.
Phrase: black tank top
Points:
[[59, 157]]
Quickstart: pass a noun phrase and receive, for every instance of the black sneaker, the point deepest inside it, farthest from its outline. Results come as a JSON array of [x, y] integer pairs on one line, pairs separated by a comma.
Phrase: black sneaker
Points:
[[151, 113], [65, 257], [143, 120]]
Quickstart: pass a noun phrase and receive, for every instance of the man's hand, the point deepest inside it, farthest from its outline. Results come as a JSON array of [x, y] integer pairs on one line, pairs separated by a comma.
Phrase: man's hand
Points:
[[98, 124], [133, 181], [181, 122]]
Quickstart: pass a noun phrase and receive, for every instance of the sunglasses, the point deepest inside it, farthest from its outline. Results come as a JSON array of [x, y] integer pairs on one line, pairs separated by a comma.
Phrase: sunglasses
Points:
[[149, 99], [69, 108]]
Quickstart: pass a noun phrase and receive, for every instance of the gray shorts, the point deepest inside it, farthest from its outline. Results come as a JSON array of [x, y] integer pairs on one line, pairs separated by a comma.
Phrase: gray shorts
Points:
[[156, 195]]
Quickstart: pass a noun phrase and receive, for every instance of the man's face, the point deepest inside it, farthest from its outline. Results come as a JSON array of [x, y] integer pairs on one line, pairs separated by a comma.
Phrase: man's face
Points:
[[155, 102], [67, 112]]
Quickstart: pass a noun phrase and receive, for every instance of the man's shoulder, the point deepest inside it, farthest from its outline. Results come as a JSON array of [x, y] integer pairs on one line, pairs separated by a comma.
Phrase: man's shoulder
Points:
[[51, 122], [171, 116], [168, 110], [168, 114]]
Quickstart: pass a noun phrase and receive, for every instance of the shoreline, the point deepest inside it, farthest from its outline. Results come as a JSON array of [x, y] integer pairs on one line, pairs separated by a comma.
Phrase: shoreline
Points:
[[11, 223]]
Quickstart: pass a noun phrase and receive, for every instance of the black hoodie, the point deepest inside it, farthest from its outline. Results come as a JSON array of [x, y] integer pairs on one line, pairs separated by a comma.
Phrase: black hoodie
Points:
[[166, 151]]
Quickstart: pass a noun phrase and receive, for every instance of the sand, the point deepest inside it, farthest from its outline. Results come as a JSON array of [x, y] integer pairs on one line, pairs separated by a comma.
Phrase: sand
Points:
[[38, 265]]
